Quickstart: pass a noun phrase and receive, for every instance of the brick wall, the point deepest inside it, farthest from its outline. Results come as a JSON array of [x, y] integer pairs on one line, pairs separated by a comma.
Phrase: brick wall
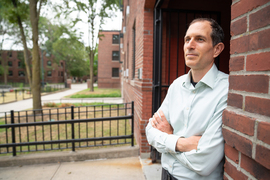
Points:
[[57, 71], [139, 90], [246, 128], [105, 61]]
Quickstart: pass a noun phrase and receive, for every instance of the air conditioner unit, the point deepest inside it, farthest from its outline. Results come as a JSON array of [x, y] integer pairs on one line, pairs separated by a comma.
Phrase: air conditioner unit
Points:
[[124, 29], [121, 45]]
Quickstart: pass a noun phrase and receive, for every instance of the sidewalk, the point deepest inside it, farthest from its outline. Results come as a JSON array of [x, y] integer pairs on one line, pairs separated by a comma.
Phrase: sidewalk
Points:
[[104, 163], [57, 98], [107, 164]]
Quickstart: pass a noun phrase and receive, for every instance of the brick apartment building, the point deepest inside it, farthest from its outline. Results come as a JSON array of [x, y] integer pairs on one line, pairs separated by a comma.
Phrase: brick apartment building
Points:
[[152, 56], [14, 60], [109, 60]]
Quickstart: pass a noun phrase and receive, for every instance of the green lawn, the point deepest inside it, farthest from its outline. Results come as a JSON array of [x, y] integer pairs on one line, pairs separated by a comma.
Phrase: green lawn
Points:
[[98, 92]]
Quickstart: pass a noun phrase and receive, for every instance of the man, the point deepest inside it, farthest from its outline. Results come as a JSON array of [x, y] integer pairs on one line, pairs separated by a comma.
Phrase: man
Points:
[[187, 127]]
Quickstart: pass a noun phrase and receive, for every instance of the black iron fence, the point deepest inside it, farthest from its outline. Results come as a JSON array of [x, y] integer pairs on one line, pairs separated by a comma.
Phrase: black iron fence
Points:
[[66, 128]]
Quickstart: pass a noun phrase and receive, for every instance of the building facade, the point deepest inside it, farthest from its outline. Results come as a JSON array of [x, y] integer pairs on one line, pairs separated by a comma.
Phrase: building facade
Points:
[[152, 55], [14, 61], [109, 60]]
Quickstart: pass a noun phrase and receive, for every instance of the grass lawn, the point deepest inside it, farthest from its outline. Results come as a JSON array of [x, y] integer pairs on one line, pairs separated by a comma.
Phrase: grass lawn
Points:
[[98, 92]]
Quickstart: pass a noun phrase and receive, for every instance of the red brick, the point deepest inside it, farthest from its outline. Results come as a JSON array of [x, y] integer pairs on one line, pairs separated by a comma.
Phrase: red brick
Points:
[[250, 42], [244, 6], [238, 122], [237, 63], [258, 62], [239, 26], [255, 169], [233, 172], [231, 153], [263, 132], [263, 156], [250, 83], [234, 140], [257, 105], [235, 100], [259, 19]]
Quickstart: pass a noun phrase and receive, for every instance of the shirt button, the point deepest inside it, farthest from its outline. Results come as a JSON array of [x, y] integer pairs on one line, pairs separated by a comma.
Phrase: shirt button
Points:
[[187, 108], [194, 91]]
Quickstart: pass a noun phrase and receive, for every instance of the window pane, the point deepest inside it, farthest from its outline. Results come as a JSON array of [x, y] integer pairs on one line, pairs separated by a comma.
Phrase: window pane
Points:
[[10, 73], [10, 63], [49, 73], [115, 72], [115, 55], [115, 39], [49, 63], [21, 73]]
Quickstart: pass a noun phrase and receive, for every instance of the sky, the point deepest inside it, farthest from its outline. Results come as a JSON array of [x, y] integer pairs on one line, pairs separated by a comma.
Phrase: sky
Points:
[[110, 24]]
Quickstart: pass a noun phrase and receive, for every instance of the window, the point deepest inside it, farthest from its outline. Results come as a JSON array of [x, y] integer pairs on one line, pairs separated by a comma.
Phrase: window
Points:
[[10, 73], [62, 64], [19, 64], [20, 56], [115, 72], [115, 39], [62, 73], [10, 63], [21, 73], [9, 54], [49, 73], [49, 63], [115, 55]]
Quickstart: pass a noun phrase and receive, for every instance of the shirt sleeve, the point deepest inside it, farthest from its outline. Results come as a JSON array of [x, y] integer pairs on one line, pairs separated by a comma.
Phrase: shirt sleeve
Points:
[[210, 149], [163, 142]]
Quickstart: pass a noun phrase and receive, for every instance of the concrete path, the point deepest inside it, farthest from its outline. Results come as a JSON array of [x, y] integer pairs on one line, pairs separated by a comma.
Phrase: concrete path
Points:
[[79, 165], [103, 163], [57, 98]]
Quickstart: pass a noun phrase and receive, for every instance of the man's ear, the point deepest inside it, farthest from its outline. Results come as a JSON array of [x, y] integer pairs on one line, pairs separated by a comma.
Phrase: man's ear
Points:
[[218, 49]]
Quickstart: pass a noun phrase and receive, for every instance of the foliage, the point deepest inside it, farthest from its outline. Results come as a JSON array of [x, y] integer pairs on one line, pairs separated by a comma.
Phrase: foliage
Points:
[[96, 12]]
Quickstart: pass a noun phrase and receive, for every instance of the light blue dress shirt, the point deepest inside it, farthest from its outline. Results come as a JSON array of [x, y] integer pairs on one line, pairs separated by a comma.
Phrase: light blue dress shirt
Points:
[[193, 111]]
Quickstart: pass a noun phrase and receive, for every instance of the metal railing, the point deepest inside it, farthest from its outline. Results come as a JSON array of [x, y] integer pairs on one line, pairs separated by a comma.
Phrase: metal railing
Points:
[[66, 128]]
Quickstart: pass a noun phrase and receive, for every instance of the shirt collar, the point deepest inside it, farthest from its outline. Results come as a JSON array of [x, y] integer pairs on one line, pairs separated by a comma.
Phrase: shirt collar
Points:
[[208, 79]]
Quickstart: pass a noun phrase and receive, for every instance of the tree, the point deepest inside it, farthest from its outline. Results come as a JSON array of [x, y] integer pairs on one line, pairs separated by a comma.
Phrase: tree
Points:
[[96, 12]]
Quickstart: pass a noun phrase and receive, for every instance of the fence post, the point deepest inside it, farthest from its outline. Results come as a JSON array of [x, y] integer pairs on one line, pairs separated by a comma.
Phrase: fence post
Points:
[[132, 130], [13, 132], [72, 128]]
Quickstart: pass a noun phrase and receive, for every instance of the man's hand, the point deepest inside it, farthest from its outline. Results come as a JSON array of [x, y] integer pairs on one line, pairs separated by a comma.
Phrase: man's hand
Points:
[[161, 123], [187, 144]]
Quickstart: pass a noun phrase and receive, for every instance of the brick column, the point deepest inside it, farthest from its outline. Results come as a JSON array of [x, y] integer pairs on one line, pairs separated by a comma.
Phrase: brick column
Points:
[[246, 128]]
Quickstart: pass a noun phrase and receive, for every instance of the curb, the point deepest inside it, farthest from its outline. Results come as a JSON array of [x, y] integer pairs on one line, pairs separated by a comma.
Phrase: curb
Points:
[[69, 156]]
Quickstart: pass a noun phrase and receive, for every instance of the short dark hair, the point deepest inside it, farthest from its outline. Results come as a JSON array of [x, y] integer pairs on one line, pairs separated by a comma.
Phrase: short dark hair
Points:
[[217, 34]]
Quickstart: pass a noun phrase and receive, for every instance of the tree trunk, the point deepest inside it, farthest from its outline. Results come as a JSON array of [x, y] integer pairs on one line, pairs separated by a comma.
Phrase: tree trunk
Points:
[[36, 86], [91, 58], [25, 53]]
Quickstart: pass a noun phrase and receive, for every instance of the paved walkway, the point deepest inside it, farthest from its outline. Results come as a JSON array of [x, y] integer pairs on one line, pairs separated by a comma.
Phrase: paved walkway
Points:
[[132, 168], [57, 98]]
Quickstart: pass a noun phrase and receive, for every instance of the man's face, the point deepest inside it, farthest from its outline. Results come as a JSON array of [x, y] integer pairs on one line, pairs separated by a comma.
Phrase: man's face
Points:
[[198, 48]]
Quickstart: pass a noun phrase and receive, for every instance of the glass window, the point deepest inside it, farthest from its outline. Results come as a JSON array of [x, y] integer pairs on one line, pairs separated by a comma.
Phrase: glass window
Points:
[[21, 73], [19, 64], [115, 39], [10, 63], [115, 72], [115, 55], [49, 73], [9, 54], [49, 63], [10, 73]]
